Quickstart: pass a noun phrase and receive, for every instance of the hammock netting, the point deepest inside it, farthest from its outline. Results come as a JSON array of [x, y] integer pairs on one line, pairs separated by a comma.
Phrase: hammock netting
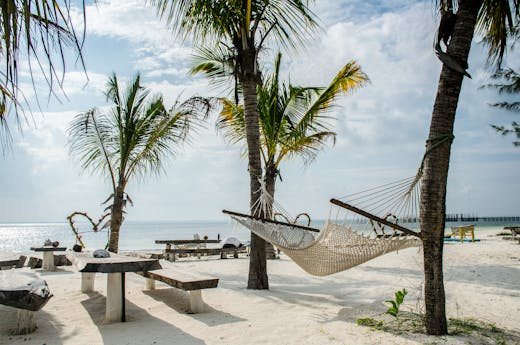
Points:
[[360, 227]]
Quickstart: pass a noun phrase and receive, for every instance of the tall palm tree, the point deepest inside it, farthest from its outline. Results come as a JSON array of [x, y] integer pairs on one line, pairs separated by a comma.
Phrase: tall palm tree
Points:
[[494, 20], [244, 26], [131, 139], [41, 29], [294, 121]]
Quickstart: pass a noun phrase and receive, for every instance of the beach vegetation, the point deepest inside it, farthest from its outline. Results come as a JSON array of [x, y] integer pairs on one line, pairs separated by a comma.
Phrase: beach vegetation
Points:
[[295, 121], [43, 31], [508, 83], [370, 322], [245, 28], [461, 21], [130, 140], [395, 304]]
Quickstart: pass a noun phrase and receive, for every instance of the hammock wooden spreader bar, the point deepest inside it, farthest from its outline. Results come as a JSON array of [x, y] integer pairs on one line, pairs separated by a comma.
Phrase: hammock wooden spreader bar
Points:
[[271, 221], [374, 217]]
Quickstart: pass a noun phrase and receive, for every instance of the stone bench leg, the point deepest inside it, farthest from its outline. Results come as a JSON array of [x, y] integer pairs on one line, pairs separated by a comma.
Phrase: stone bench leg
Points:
[[48, 261], [114, 307], [25, 323], [196, 302], [87, 282], [149, 284]]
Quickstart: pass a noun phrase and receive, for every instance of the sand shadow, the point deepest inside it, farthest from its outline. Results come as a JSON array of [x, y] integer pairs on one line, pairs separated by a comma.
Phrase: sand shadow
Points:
[[149, 331], [496, 276], [57, 271], [178, 300], [46, 333]]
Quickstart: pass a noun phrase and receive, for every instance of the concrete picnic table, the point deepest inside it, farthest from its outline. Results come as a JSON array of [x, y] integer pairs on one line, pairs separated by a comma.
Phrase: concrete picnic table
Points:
[[115, 266], [48, 256]]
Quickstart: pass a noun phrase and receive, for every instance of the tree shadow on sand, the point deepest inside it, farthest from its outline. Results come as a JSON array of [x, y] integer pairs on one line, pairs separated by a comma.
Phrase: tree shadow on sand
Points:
[[141, 327]]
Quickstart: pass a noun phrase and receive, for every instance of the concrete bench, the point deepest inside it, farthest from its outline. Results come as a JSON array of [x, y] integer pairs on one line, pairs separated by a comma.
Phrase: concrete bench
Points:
[[191, 282]]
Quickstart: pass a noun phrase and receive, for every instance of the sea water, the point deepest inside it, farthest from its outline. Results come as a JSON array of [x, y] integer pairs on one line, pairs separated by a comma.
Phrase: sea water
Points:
[[141, 235]]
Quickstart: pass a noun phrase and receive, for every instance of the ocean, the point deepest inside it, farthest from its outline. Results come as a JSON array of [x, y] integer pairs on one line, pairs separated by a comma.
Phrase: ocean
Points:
[[141, 235]]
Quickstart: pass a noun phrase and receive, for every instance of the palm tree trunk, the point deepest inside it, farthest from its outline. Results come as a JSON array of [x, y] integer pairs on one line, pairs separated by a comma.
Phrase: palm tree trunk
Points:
[[436, 165], [116, 219], [270, 182], [257, 278]]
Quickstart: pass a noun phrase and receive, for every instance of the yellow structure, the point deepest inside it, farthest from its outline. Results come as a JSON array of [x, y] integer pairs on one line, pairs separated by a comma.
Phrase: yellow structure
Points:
[[462, 231]]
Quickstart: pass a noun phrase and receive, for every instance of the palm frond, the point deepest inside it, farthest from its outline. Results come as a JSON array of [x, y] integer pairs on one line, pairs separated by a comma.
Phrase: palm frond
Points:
[[289, 22], [44, 30], [496, 21], [217, 64], [231, 121]]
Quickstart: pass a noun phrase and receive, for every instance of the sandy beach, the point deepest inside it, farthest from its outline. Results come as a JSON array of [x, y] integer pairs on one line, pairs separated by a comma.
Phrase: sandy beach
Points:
[[482, 282]]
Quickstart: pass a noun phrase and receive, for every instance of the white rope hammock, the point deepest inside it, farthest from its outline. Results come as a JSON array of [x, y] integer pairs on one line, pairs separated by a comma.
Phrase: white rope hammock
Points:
[[337, 247], [352, 235]]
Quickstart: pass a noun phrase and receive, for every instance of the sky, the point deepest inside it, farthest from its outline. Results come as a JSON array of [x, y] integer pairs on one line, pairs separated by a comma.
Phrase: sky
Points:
[[381, 128]]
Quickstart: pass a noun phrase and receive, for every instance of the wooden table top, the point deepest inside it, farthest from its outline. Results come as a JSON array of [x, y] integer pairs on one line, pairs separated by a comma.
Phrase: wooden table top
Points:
[[86, 262], [48, 249], [185, 241]]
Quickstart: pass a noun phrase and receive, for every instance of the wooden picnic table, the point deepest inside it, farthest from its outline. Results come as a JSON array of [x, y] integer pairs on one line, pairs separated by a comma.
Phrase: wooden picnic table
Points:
[[169, 243], [193, 246], [115, 266], [48, 256]]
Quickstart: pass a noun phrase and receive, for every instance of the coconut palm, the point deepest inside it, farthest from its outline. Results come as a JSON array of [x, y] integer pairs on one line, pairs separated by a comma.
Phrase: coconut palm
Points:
[[132, 139], [294, 121], [494, 20], [245, 26], [42, 29]]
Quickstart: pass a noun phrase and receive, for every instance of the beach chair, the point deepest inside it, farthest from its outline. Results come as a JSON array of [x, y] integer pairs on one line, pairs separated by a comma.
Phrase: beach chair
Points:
[[462, 231]]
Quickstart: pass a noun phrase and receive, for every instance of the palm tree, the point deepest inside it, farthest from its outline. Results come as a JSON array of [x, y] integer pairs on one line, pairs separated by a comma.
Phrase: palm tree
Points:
[[42, 29], [494, 20], [509, 84], [132, 139], [244, 26], [293, 119]]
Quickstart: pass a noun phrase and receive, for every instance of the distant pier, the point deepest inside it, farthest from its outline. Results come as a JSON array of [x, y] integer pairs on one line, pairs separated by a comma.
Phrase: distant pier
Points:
[[459, 217]]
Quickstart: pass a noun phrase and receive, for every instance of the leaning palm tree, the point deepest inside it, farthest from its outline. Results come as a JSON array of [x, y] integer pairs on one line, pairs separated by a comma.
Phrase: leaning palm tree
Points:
[[294, 121], [131, 139], [244, 26], [42, 30], [494, 20]]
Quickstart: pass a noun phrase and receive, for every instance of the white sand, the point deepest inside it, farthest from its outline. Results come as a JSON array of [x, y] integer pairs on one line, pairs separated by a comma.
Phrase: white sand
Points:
[[482, 281]]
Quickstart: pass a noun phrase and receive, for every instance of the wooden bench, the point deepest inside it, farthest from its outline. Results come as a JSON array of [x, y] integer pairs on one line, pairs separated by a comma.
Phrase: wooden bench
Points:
[[26, 292], [191, 282], [8, 261]]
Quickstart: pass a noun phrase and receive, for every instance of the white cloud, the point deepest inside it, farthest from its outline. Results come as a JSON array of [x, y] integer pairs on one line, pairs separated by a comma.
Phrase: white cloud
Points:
[[382, 128]]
